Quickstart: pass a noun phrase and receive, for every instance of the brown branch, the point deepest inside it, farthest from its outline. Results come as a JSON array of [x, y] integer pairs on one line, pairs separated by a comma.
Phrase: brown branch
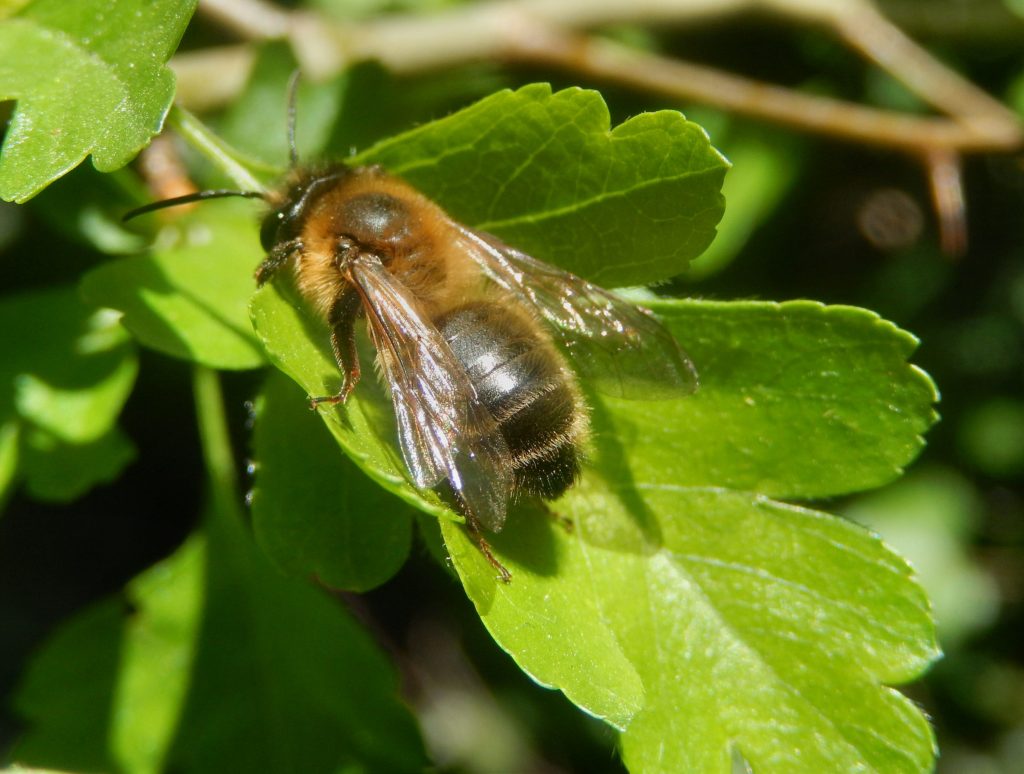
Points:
[[540, 31], [610, 61]]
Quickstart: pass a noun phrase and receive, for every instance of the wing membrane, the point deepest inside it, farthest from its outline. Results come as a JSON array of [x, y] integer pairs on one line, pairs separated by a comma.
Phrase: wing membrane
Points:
[[622, 348], [444, 431]]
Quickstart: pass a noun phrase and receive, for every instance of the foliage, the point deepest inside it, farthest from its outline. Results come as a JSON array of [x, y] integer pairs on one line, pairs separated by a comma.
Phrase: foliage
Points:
[[696, 604]]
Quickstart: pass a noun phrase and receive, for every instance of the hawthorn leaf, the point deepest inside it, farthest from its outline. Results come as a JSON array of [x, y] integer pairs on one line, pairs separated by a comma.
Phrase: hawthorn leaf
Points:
[[97, 85], [64, 379], [674, 542], [753, 626], [189, 297], [219, 664], [798, 400], [299, 345], [547, 173], [314, 513]]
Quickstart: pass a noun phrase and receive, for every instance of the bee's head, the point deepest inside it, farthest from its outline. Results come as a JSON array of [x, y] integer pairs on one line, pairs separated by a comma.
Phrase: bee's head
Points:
[[290, 207]]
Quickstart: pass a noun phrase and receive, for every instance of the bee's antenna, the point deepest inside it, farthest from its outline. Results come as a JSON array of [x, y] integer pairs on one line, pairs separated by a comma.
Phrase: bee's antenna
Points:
[[187, 199], [293, 93]]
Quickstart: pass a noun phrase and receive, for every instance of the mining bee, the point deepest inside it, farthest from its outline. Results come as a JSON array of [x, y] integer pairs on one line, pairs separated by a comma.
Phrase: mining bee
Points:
[[474, 338]]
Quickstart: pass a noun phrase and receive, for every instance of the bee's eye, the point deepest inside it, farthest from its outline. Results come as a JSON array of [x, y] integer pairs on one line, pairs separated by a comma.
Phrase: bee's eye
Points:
[[269, 229]]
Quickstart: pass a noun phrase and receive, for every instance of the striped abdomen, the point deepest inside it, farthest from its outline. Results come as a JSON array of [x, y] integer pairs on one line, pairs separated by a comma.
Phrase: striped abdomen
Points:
[[523, 381]]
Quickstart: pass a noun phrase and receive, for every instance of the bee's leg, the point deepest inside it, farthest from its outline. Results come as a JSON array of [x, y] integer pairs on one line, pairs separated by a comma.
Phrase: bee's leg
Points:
[[485, 548], [276, 258], [342, 320], [562, 521]]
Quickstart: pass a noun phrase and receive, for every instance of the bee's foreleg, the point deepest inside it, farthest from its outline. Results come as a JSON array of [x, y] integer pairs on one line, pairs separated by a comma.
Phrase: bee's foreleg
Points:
[[276, 258]]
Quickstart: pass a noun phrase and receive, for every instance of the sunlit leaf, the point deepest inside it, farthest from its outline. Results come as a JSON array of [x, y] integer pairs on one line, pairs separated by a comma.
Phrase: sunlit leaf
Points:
[[89, 77]]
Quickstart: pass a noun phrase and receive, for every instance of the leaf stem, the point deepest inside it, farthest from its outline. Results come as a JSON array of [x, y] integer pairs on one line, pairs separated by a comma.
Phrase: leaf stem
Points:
[[197, 134], [215, 441]]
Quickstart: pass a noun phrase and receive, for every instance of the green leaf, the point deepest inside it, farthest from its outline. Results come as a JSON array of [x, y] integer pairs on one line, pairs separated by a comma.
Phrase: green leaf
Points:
[[625, 206], [63, 381], [797, 400], [221, 665], [67, 694], [93, 220], [57, 471], [285, 677], [106, 691], [313, 511], [299, 345], [189, 298], [96, 84], [749, 623], [933, 516], [773, 604], [686, 608]]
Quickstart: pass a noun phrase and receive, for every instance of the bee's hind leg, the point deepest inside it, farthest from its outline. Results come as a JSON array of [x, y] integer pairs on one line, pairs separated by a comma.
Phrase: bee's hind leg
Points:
[[342, 320], [485, 548], [565, 522]]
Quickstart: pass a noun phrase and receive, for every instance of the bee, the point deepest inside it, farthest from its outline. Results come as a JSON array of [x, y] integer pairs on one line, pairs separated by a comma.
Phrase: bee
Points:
[[473, 338]]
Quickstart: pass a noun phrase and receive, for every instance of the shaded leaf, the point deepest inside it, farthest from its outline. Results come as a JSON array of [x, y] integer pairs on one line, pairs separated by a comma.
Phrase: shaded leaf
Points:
[[66, 696], [97, 84], [57, 471], [63, 381], [284, 679], [221, 665]]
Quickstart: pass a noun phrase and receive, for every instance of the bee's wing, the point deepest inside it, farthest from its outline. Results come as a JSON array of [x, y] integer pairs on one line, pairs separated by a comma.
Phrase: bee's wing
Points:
[[443, 429], [619, 346]]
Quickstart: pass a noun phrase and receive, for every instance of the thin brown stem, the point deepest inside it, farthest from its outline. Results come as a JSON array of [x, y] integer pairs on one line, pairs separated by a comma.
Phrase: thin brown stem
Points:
[[606, 60], [542, 32]]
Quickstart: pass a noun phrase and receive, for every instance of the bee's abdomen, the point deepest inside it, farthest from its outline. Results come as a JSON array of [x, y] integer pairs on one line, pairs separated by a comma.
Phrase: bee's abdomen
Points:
[[523, 381]]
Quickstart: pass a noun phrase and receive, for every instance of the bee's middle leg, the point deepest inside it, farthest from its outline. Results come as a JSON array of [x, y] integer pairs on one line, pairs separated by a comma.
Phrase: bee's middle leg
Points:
[[342, 320]]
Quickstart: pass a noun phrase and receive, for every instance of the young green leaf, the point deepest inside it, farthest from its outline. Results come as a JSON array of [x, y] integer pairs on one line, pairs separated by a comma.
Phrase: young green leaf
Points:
[[88, 77], [625, 206], [64, 377], [338, 525], [189, 297]]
